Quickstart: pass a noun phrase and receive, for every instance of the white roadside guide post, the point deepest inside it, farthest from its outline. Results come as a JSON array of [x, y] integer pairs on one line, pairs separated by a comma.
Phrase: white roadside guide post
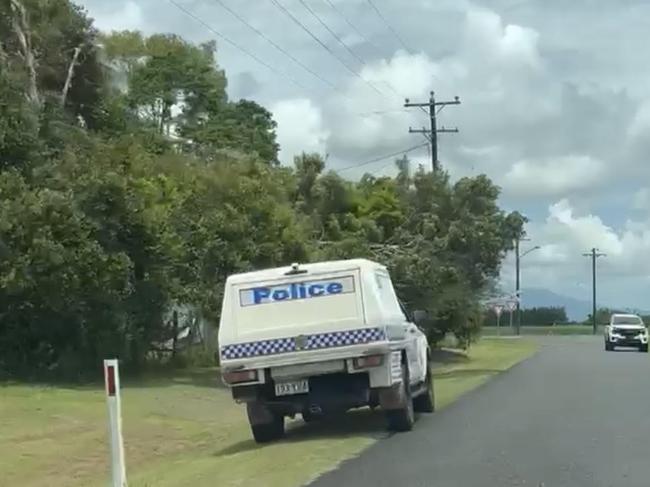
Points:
[[112, 380], [512, 306], [498, 308]]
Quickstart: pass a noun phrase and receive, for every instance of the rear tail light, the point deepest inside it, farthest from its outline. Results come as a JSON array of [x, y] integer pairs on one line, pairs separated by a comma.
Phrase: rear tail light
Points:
[[366, 362], [240, 376]]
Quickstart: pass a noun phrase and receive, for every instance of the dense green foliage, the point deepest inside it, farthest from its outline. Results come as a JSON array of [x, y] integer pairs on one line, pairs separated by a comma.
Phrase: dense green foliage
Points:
[[130, 183]]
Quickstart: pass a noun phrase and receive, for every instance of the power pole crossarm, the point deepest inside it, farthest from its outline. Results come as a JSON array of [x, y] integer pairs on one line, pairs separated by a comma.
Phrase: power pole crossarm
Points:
[[410, 104], [432, 133], [445, 103]]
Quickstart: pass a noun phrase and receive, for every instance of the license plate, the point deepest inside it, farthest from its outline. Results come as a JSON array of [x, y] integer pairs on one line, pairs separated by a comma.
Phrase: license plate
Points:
[[293, 387]]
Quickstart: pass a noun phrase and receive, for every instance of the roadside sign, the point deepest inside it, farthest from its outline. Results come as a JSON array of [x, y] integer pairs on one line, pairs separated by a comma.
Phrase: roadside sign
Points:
[[112, 383], [511, 305], [497, 308]]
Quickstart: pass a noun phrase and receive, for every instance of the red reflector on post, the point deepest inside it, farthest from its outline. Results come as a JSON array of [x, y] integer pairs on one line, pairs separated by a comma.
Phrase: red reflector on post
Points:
[[365, 362], [110, 380]]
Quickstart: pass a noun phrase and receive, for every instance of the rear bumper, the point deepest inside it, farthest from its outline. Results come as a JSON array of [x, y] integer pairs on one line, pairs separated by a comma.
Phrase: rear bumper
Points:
[[333, 384], [327, 393]]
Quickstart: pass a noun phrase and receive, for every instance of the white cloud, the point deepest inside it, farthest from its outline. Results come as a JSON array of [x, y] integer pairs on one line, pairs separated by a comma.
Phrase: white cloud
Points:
[[565, 235], [487, 37], [128, 17], [640, 125], [641, 199], [554, 177], [493, 70], [408, 74], [580, 232], [300, 128]]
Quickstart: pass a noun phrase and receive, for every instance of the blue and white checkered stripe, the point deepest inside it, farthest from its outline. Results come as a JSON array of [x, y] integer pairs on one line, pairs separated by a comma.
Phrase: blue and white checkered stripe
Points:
[[314, 342]]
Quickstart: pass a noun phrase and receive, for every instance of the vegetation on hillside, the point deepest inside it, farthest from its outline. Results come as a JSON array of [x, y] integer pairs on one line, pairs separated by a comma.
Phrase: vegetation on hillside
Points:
[[130, 183]]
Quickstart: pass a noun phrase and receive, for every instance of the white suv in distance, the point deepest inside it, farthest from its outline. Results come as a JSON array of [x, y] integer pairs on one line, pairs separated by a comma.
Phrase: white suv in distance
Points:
[[626, 331]]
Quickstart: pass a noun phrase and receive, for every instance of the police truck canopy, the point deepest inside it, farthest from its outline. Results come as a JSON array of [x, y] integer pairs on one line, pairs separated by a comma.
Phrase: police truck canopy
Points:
[[294, 300]]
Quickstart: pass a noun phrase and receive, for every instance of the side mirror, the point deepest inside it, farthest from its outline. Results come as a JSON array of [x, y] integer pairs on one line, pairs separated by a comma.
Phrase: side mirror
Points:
[[420, 316]]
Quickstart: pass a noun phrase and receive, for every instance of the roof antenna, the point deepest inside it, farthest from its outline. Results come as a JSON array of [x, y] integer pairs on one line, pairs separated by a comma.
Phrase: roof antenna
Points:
[[295, 269]]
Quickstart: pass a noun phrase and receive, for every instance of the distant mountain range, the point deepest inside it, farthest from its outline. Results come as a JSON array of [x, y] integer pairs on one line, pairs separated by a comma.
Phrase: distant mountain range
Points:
[[576, 309]]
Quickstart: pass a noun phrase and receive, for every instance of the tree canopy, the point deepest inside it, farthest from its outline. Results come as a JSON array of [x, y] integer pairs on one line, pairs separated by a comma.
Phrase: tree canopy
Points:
[[130, 184]]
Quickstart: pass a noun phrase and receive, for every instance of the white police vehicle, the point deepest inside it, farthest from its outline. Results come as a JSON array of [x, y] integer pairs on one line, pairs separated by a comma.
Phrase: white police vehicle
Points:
[[322, 338], [625, 330]]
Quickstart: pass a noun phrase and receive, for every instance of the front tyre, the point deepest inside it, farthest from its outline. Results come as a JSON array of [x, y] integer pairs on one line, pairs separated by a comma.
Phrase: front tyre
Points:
[[643, 348], [402, 419], [608, 346], [425, 402]]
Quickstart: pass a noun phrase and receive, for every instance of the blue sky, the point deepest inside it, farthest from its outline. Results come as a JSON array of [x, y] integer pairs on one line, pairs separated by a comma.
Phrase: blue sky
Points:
[[556, 107]]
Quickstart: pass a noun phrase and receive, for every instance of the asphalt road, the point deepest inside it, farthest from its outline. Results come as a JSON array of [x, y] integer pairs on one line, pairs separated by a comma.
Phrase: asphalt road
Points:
[[571, 416]]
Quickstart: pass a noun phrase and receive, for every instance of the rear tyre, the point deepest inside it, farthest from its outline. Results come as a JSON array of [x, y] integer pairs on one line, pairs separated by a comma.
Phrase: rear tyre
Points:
[[272, 428], [309, 417], [425, 402], [402, 419]]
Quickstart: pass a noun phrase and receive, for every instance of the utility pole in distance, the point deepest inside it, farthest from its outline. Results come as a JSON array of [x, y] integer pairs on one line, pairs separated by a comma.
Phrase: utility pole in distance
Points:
[[594, 254], [518, 257], [518, 284], [431, 134]]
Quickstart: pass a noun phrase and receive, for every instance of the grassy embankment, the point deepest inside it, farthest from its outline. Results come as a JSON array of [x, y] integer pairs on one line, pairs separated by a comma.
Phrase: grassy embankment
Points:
[[183, 431]]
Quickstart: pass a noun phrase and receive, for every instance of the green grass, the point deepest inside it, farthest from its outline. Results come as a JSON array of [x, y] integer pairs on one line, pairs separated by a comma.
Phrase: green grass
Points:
[[183, 431], [541, 330]]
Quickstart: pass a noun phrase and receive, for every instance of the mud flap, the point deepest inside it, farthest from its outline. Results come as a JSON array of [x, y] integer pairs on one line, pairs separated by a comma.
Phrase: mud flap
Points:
[[393, 397]]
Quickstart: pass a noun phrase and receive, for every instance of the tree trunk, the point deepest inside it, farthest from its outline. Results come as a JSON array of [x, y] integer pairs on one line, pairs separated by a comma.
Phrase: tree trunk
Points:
[[3, 56], [68, 79], [20, 26], [175, 328]]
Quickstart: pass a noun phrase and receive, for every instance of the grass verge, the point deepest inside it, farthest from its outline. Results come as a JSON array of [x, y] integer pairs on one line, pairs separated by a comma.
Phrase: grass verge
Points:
[[541, 330], [182, 431]]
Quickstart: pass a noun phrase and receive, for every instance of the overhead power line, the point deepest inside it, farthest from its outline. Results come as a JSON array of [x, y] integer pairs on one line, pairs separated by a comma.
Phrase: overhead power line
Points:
[[364, 39], [288, 13], [274, 44], [380, 112], [235, 45], [379, 171], [381, 158], [347, 48], [390, 27], [334, 34], [353, 27]]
